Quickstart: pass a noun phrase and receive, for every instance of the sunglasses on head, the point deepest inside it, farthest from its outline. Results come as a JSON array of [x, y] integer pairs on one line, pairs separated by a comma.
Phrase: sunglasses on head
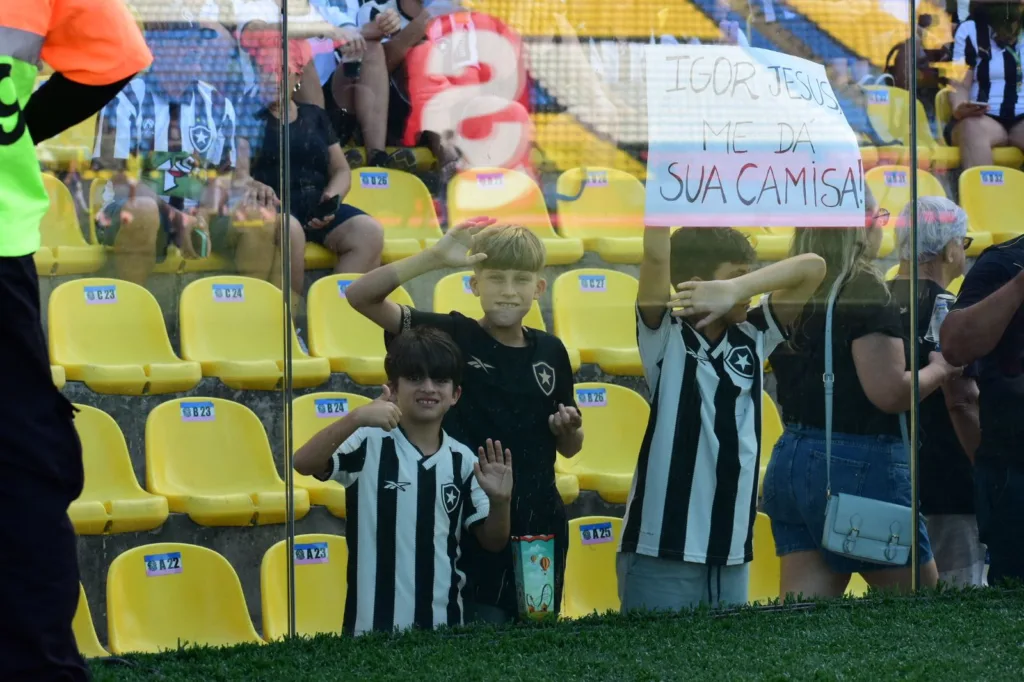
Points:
[[880, 218]]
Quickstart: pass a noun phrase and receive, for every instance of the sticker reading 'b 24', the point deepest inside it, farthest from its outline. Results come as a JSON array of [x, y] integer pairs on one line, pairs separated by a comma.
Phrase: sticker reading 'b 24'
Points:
[[106, 293], [228, 293], [163, 564], [197, 411], [592, 397], [597, 533], [593, 283], [374, 180], [312, 553], [331, 407]]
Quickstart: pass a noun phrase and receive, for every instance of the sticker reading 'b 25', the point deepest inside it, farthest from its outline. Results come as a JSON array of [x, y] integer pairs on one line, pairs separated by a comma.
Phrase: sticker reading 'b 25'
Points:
[[101, 294], [163, 564], [311, 553], [331, 407], [593, 283], [228, 293], [592, 397], [374, 180], [197, 411], [597, 533]]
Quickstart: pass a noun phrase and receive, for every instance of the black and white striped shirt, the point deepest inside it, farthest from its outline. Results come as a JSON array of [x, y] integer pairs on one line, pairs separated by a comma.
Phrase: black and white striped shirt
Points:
[[405, 518], [694, 492], [997, 71]]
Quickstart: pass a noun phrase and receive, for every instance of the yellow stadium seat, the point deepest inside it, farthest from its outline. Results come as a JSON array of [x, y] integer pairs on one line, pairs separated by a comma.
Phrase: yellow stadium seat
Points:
[[310, 414], [320, 586], [319, 257], [771, 243], [509, 197], [403, 206], [889, 111], [112, 500], [594, 314], [1010, 157], [766, 568], [870, 156], [568, 487], [858, 587], [167, 595], [71, 148], [954, 286], [771, 429], [353, 344], [892, 272], [591, 584], [233, 327], [614, 419], [64, 250], [85, 632], [59, 376], [605, 208], [993, 198], [110, 334], [211, 459]]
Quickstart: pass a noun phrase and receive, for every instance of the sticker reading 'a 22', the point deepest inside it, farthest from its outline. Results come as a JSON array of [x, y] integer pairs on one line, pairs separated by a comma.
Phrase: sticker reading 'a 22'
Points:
[[163, 564], [311, 553], [101, 294], [331, 407], [197, 412], [597, 533], [228, 293]]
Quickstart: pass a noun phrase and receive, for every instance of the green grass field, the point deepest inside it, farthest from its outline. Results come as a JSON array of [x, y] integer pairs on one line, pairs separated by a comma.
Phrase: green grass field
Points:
[[953, 636]]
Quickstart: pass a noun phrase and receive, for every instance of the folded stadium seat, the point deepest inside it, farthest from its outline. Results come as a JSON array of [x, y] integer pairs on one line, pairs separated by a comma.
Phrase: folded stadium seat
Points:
[[591, 584], [771, 429], [211, 459], [889, 112], [321, 583], [112, 500], [59, 377], [1010, 157], [568, 487], [167, 595], [233, 327], [72, 147], [993, 198], [774, 244], [319, 257], [110, 334], [614, 418], [869, 155], [101, 192], [353, 344], [64, 250], [766, 568], [603, 207], [424, 158], [403, 206], [310, 414], [594, 314], [509, 197], [85, 632]]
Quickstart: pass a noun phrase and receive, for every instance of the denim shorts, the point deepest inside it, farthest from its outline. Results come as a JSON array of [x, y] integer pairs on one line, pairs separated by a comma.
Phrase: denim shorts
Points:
[[875, 467]]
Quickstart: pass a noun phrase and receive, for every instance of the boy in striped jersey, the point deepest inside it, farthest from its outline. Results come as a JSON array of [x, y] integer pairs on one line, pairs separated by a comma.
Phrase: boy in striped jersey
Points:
[[410, 490]]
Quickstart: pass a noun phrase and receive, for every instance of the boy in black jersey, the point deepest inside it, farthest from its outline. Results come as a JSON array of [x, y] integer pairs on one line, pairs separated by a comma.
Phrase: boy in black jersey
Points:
[[518, 385]]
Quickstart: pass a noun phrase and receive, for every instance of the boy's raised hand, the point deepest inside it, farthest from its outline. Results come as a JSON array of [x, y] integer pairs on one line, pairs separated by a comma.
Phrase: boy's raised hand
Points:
[[381, 413], [452, 250], [494, 471], [707, 301], [565, 422]]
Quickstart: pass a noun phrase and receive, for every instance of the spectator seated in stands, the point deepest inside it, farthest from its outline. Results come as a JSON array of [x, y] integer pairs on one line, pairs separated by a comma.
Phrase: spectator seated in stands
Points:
[[180, 126], [987, 109]]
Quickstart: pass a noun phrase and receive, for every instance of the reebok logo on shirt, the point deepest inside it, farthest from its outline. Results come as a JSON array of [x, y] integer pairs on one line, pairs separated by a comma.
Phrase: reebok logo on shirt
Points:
[[400, 486], [477, 363]]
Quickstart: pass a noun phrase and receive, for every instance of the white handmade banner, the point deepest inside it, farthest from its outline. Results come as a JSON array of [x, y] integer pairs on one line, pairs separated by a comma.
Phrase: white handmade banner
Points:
[[747, 137]]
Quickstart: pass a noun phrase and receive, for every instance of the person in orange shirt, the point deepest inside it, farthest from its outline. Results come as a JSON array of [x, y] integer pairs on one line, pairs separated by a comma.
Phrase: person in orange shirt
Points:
[[95, 48]]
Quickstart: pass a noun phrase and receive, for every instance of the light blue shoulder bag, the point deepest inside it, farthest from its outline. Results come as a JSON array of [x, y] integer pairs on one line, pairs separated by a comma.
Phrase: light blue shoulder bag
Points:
[[859, 527]]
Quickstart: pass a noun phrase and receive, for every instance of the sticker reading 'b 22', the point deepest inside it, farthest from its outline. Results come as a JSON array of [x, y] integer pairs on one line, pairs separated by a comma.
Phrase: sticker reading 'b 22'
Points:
[[331, 407], [106, 293], [342, 286], [228, 293], [895, 178], [374, 180], [592, 397], [593, 283], [311, 553], [597, 179], [490, 180], [163, 564], [197, 411], [597, 533], [992, 177]]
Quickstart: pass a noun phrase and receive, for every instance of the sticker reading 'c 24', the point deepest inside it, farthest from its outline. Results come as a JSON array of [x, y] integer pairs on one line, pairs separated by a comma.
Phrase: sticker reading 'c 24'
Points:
[[992, 177], [106, 293], [593, 283], [592, 397], [597, 533], [374, 180], [311, 553], [228, 293], [597, 179], [331, 407], [895, 178], [342, 286], [163, 564], [197, 411], [490, 180]]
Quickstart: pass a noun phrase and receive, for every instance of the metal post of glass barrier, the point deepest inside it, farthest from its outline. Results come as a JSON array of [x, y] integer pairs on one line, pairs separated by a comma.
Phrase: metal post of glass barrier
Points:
[[915, 557]]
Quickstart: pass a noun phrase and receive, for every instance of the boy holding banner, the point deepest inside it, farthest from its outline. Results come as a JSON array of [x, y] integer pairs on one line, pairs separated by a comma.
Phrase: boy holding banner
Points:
[[687, 533]]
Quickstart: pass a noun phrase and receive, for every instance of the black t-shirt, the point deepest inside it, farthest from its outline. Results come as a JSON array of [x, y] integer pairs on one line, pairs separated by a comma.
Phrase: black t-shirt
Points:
[[1001, 372], [946, 474], [863, 307], [310, 135]]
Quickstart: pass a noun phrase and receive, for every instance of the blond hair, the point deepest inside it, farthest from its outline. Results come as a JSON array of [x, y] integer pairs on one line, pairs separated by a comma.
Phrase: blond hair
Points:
[[509, 247]]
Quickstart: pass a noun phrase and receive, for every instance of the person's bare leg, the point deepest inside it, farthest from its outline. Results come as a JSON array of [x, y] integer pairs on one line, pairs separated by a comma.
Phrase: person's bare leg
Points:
[[358, 242], [256, 252], [1017, 136], [135, 245], [368, 97], [806, 575], [297, 241], [976, 136], [900, 579]]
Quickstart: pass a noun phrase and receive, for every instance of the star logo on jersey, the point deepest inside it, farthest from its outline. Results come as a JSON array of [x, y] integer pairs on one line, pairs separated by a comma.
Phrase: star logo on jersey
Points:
[[741, 361], [450, 495], [400, 486], [545, 376], [201, 138], [477, 363]]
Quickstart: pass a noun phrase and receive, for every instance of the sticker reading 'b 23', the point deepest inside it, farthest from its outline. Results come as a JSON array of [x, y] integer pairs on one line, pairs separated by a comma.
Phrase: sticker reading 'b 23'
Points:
[[342, 286], [197, 411], [311, 553], [593, 283], [489, 180], [374, 180], [331, 407], [597, 179], [163, 564], [592, 397], [228, 293], [992, 177], [106, 293], [895, 178], [597, 533]]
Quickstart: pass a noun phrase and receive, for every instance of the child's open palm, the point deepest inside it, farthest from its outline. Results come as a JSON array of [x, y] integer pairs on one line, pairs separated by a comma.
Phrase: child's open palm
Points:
[[494, 471], [707, 301], [453, 248]]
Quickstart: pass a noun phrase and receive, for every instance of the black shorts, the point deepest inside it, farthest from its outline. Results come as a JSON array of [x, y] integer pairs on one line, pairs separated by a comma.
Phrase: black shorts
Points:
[[343, 214], [1007, 122]]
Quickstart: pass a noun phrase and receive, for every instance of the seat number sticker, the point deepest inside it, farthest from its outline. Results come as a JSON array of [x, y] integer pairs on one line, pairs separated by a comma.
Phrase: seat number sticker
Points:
[[331, 407], [593, 283], [311, 553], [597, 533], [197, 412], [163, 564], [101, 294], [228, 293], [592, 397]]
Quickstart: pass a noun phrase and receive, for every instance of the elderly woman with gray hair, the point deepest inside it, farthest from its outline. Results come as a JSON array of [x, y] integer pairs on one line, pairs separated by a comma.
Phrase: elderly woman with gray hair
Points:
[[949, 431]]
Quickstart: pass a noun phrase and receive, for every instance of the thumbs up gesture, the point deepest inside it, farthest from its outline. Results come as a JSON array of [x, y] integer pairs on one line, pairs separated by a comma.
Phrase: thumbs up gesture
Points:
[[381, 413]]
